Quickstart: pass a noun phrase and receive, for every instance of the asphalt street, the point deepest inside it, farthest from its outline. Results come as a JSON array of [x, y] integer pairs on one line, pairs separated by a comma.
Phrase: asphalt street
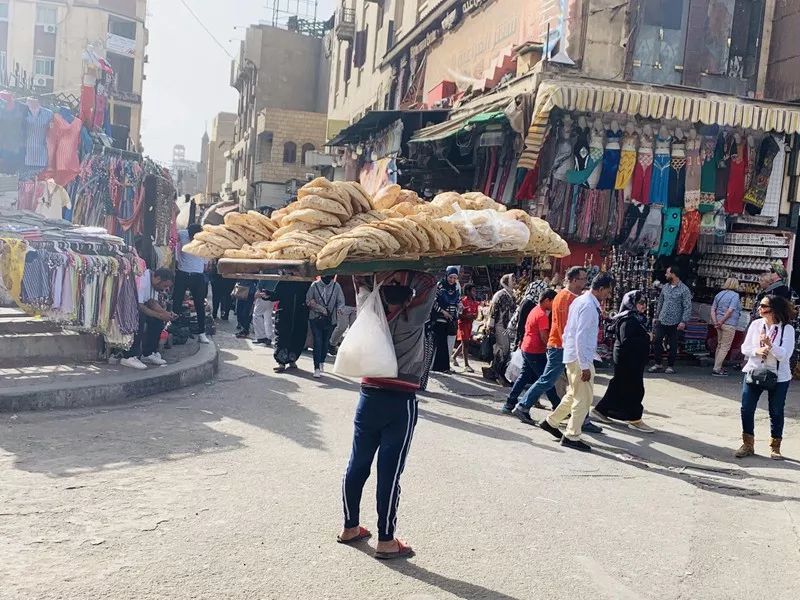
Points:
[[231, 490]]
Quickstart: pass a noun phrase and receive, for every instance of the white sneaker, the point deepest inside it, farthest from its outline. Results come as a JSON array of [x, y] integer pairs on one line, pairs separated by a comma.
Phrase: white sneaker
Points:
[[322, 368], [157, 355], [133, 363], [203, 339], [317, 373], [153, 359]]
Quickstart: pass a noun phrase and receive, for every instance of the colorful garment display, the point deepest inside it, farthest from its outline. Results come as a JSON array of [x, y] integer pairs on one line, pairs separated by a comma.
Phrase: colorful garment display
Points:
[[772, 201], [38, 123], [690, 232], [659, 186], [12, 133], [737, 170], [694, 165], [63, 141], [756, 195], [670, 229], [643, 171], [627, 161], [711, 156], [611, 160], [589, 174], [677, 174]]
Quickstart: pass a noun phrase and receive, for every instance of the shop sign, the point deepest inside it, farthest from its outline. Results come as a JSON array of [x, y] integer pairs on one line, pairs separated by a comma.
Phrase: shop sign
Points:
[[120, 45], [427, 41]]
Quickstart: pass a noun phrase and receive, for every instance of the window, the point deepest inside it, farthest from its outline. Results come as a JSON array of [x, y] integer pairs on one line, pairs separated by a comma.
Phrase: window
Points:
[[290, 153], [46, 15], [667, 14], [44, 67], [123, 71], [122, 28], [265, 147], [306, 148], [3, 11], [122, 115]]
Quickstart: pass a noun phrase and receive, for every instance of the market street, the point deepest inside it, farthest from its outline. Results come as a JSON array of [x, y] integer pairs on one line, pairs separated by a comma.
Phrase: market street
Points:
[[231, 490]]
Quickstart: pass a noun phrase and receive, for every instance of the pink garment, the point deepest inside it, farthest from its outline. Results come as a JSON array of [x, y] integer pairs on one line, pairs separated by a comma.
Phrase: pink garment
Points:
[[63, 141], [28, 193]]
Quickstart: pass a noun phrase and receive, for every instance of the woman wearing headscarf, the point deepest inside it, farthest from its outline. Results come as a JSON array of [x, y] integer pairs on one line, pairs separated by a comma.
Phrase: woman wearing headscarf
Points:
[[623, 398], [500, 312], [323, 299], [291, 323], [444, 319]]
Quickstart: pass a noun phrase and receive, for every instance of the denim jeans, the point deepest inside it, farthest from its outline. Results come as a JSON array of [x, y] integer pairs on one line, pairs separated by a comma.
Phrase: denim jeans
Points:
[[547, 380], [670, 333], [533, 366], [321, 330], [777, 399]]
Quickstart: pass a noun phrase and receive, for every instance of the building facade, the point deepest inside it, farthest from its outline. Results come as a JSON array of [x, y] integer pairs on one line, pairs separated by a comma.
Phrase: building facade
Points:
[[282, 79], [220, 141], [44, 44], [185, 173]]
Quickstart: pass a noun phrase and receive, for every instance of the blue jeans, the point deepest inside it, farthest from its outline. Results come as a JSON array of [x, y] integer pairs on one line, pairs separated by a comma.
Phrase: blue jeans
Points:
[[533, 366], [384, 424], [547, 380], [321, 330], [777, 399]]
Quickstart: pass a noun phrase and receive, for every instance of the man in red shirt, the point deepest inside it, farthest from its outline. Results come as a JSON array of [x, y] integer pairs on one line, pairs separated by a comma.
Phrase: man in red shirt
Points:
[[534, 350]]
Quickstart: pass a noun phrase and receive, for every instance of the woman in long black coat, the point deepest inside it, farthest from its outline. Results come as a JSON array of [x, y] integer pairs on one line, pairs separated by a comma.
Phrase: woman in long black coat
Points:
[[623, 398]]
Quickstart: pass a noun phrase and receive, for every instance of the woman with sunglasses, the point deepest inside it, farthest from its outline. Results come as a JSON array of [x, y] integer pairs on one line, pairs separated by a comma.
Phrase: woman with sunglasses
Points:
[[623, 398], [768, 347]]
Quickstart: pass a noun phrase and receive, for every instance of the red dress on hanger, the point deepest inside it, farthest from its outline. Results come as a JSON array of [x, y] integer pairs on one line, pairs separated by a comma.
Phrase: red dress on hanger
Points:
[[734, 201]]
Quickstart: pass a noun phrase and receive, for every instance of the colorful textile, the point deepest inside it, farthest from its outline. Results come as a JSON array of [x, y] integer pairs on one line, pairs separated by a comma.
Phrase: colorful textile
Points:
[[38, 124], [670, 229]]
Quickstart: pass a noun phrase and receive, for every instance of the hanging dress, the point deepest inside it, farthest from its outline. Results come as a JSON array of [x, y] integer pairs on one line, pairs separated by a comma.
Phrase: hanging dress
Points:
[[650, 236], [563, 160], [643, 171], [737, 172], [627, 162], [690, 232], [38, 123], [677, 174], [723, 169], [711, 157], [589, 174], [611, 159], [659, 186], [756, 195], [670, 229], [772, 203], [694, 165]]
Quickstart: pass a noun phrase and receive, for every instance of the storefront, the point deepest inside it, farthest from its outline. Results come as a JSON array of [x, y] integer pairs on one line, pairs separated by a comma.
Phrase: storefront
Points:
[[638, 180]]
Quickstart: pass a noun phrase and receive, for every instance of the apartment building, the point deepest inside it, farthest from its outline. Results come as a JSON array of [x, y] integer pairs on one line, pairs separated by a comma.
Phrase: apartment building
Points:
[[45, 43], [282, 79], [218, 143]]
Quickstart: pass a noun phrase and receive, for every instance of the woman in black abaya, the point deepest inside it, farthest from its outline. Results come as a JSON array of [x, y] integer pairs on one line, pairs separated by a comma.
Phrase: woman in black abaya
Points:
[[623, 398]]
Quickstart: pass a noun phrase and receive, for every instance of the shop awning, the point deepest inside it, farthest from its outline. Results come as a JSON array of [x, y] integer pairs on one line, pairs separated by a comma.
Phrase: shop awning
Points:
[[650, 103], [376, 121]]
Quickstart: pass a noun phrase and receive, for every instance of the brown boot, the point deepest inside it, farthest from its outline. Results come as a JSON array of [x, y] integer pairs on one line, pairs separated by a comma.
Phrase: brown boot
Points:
[[775, 449], [748, 446]]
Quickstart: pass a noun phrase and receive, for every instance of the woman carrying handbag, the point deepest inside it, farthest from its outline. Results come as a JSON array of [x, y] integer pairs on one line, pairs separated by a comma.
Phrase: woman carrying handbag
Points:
[[768, 347]]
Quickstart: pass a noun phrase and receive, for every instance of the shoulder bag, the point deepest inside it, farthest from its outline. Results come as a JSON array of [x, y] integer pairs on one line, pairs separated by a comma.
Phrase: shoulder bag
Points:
[[763, 377]]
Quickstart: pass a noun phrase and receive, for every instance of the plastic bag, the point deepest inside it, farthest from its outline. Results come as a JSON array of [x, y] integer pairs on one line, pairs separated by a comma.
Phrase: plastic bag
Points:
[[514, 235], [478, 228], [515, 365], [367, 349]]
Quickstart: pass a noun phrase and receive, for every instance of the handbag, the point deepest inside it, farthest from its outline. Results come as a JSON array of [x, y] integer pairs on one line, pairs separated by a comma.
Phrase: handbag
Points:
[[241, 291], [763, 377]]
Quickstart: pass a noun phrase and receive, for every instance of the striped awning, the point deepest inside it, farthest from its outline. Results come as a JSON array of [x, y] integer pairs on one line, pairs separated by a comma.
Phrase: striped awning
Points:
[[458, 120], [708, 109]]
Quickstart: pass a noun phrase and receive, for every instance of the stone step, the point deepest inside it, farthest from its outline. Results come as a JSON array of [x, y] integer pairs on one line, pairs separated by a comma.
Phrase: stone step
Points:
[[48, 347]]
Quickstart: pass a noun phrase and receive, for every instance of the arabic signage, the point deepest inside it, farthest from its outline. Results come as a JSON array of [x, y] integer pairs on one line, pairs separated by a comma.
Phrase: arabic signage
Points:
[[120, 45]]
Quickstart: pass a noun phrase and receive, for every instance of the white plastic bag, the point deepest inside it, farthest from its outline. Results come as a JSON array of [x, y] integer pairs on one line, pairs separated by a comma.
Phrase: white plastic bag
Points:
[[367, 349], [477, 228], [515, 365]]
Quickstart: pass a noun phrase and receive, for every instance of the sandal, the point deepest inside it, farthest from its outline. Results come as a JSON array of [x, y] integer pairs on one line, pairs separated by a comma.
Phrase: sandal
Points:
[[403, 551], [363, 534]]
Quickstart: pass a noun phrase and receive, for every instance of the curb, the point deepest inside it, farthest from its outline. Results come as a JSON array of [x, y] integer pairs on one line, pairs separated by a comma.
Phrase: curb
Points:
[[195, 369]]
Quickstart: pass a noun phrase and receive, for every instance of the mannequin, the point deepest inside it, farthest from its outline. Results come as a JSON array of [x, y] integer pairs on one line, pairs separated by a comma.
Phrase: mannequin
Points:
[[677, 172], [694, 164], [659, 187], [627, 161], [588, 156], [611, 158], [596, 147]]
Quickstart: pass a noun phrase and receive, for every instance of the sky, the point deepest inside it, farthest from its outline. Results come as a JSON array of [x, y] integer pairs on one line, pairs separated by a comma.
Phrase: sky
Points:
[[188, 74]]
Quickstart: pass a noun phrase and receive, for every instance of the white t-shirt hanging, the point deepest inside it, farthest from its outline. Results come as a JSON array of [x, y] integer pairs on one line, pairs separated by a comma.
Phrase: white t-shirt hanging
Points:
[[51, 198], [144, 287]]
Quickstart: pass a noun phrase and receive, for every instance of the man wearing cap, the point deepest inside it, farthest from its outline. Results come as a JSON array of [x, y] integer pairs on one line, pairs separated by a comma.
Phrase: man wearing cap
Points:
[[772, 284]]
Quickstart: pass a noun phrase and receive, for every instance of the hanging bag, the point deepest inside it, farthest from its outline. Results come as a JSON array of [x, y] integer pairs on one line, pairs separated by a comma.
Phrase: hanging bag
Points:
[[368, 349]]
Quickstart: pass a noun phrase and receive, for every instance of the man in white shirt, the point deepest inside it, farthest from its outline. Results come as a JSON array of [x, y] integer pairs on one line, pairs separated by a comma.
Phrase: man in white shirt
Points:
[[152, 318], [190, 275], [580, 349]]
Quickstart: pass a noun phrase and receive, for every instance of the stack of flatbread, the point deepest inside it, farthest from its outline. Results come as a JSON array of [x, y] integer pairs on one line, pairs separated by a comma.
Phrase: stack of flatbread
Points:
[[239, 230]]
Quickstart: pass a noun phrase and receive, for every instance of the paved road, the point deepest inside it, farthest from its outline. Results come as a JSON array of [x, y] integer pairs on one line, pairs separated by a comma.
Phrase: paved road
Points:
[[231, 490]]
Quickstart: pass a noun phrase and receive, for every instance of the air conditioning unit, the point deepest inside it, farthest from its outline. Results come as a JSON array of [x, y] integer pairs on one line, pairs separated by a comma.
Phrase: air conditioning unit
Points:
[[50, 29], [40, 82]]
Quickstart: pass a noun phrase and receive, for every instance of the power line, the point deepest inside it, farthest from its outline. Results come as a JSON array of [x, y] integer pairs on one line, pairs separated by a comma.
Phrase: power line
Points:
[[206, 29]]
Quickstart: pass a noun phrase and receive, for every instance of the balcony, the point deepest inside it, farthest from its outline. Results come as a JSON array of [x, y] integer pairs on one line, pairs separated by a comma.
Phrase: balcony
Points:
[[346, 24]]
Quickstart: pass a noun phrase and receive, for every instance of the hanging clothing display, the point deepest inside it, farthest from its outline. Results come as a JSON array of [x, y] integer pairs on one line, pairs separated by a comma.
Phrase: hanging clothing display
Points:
[[659, 187], [756, 195], [611, 160], [13, 115], [694, 165], [51, 200], [589, 173], [677, 174], [63, 141], [711, 156], [737, 169], [627, 161], [723, 168], [670, 229], [772, 201], [563, 160], [643, 171], [690, 232], [38, 123]]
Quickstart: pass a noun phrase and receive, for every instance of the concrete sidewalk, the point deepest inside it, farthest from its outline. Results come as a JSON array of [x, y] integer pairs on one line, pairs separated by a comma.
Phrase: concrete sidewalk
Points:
[[86, 384]]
